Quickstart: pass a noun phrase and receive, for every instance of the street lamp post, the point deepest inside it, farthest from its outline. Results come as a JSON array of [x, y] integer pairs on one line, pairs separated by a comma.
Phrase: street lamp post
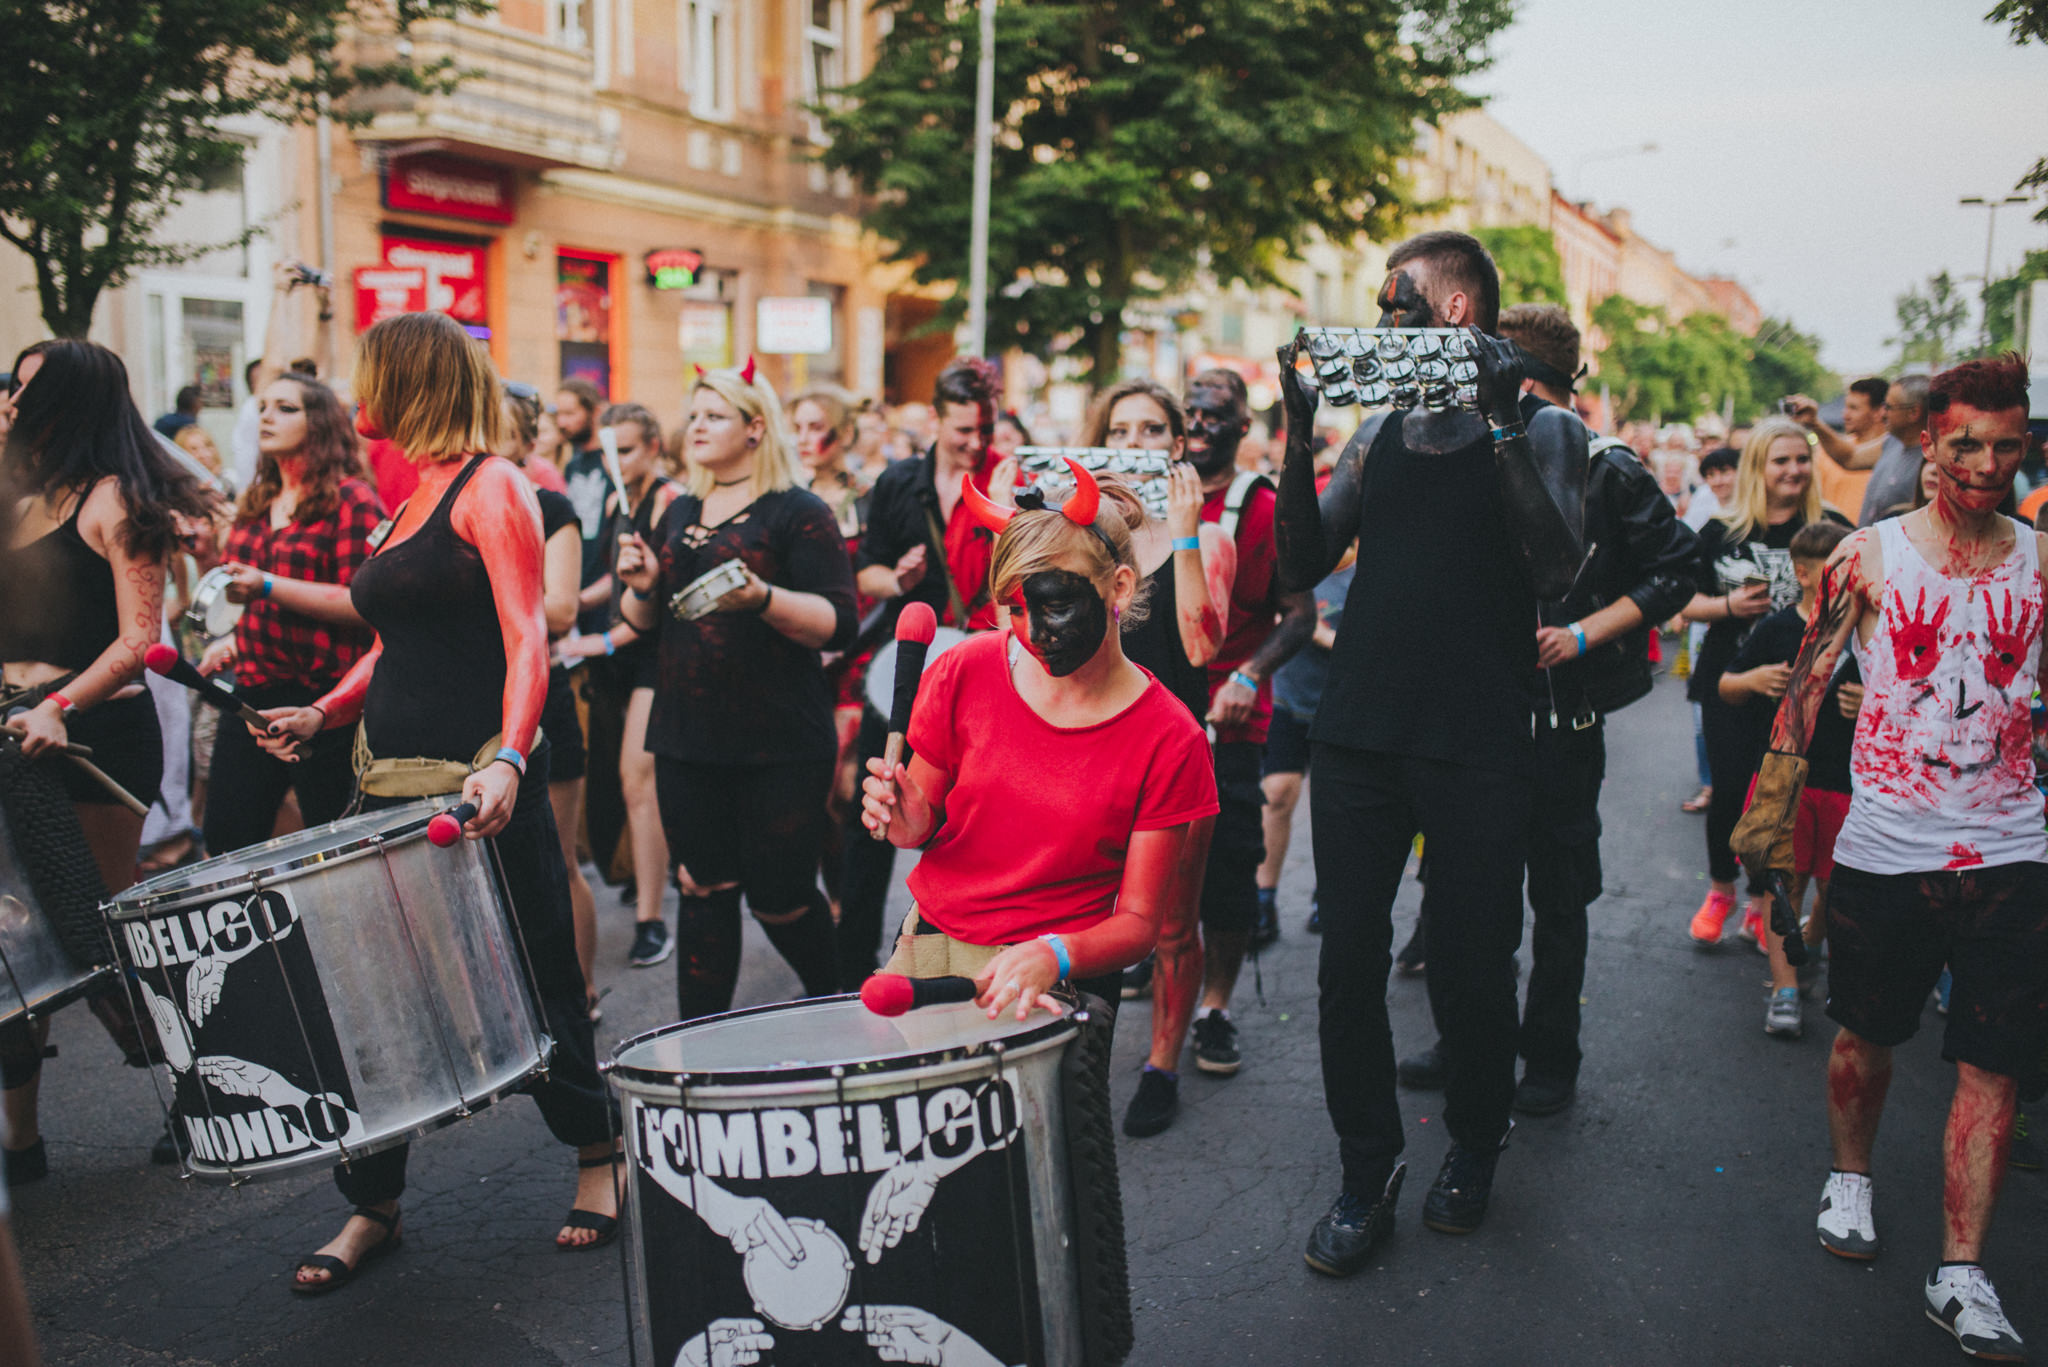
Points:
[[984, 150], [1605, 154], [1991, 205]]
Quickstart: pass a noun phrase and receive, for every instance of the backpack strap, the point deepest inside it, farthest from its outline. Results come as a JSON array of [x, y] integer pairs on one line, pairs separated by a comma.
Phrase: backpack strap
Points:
[[1233, 502]]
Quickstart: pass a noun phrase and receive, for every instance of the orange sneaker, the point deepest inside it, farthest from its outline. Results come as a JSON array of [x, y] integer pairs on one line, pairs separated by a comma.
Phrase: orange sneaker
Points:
[[1708, 920], [1752, 927]]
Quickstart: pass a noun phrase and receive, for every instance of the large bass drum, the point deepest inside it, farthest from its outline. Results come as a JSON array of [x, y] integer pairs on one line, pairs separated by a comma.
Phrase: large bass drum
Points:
[[840, 1187], [331, 993]]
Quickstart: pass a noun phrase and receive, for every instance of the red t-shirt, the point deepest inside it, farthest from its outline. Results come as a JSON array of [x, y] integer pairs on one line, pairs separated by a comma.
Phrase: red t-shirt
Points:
[[1254, 605], [1039, 817]]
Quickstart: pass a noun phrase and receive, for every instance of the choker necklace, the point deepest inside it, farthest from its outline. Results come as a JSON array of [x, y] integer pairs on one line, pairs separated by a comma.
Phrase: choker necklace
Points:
[[729, 483]]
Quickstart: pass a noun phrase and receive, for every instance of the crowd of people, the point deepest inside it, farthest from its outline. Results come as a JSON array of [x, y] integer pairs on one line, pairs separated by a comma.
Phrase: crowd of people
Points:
[[640, 649]]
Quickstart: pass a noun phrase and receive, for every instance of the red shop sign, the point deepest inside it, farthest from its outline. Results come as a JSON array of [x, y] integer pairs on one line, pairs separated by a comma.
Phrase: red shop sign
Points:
[[430, 183], [387, 291], [455, 280]]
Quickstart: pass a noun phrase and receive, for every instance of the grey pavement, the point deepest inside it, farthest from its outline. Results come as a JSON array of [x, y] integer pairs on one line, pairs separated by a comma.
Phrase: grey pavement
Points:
[[1667, 1217]]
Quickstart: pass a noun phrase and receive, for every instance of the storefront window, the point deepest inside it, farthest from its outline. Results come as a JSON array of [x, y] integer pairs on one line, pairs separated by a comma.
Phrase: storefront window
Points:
[[704, 330], [829, 367], [457, 276], [583, 319]]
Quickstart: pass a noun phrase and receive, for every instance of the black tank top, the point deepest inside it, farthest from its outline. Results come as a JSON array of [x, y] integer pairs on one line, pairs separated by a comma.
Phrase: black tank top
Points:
[[1155, 644], [439, 687], [58, 604]]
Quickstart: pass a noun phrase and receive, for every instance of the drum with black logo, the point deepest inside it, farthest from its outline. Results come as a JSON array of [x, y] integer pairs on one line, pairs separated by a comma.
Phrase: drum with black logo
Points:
[[331, 993], [815, 1183]]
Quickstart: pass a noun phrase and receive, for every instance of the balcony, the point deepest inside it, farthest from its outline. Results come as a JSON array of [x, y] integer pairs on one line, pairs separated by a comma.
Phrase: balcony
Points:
[[523, 101]]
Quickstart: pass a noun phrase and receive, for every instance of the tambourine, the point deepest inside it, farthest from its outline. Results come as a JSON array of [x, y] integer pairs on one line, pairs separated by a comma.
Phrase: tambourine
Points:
[[1045, 468], [702, 595], [211, 617], [1430, 368]]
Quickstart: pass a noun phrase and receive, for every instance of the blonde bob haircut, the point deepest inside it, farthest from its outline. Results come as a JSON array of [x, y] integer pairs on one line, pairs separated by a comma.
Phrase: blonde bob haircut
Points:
[[1035, 542], [1750, 506], [429, 387], [775, 462]]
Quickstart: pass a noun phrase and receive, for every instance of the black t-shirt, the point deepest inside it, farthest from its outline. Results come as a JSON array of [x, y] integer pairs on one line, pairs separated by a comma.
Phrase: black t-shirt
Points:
[[556, 512], [896, 521], [731, 689], [1439, 630], [1155, 645], [589, 486], [1775, 641], [1721, 568]]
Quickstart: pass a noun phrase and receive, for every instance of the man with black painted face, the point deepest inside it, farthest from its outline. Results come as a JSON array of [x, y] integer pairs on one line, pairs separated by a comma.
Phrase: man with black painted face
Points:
[[1462, 522], [1264, 628]]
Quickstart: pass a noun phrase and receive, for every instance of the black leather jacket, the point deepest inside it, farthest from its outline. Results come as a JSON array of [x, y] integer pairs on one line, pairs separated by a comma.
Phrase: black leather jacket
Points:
[[1640, 551]]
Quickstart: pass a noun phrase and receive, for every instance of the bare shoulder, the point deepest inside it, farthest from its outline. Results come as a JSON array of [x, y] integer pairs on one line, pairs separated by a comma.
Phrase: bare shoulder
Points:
[[1859, 562], [497, 487], [101, 516]]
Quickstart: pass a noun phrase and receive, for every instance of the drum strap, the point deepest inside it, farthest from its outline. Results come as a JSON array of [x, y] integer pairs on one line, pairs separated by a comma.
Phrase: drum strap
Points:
[[925, 951], [938, 548], [418, 776]]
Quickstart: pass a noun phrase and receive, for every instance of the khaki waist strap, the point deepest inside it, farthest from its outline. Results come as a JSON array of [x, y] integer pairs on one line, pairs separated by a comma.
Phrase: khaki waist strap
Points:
[[417, 776], [923, 951]]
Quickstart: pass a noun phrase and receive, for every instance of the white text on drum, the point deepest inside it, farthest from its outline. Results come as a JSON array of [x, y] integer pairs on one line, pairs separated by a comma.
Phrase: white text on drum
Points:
[[271, 1132], [832, 1141], [223, 928]]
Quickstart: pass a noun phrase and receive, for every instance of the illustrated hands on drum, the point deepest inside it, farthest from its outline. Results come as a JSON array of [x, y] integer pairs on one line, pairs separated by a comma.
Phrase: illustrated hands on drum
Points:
[[906, 1333]]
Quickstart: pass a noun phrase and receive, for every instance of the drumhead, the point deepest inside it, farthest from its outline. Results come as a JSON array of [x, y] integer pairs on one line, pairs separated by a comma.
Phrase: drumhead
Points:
[[881, 682], [211, 611], [795, 1040], [274, 857]]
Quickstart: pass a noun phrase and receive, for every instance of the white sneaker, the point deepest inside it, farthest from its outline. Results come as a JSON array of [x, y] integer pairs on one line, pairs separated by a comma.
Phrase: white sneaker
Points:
[[1961, 1299], [1847, 1227], [1782, 1015]]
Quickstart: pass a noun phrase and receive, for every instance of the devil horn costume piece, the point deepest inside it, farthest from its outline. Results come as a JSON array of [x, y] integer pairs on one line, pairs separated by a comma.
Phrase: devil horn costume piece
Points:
[[984, 509], [700, 372], [747, 375], [1087, 499]]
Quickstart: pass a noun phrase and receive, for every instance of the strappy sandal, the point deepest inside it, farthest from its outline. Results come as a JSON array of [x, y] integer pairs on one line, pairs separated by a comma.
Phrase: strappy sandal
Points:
[[1699, 801], [339, 1273], [605, 1226]]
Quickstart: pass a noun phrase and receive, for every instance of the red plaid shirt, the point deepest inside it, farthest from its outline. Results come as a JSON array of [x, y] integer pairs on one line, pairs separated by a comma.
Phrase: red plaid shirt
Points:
[[273, 646]]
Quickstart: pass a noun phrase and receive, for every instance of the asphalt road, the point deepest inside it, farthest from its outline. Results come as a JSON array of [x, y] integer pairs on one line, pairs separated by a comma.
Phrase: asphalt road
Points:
[[1667, 1217]]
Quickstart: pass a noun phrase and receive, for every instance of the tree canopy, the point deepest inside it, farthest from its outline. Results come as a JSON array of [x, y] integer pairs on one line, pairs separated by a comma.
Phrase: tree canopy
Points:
[[1141, 142], [116, 108], [1663, 371], [1929, 319], [2027, 21], [1531, 272]]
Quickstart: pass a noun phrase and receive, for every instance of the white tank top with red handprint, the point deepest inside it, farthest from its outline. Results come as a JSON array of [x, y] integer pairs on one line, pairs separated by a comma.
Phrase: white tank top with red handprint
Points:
[[1942, 770]]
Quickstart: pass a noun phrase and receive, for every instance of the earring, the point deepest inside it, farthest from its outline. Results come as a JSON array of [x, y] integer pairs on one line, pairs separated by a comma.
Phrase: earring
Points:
[[1116, 613]]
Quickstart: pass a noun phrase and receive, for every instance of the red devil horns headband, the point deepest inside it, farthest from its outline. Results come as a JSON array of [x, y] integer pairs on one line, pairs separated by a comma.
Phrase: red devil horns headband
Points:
[[1079, 510], [747, 374]]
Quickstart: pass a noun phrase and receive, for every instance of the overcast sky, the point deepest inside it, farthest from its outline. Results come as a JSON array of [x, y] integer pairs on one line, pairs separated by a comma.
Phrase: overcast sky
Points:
[[1830, 142]]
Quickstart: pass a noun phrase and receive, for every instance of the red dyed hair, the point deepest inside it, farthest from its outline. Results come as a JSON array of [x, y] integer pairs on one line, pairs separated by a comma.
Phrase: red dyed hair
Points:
[[1989, 386]]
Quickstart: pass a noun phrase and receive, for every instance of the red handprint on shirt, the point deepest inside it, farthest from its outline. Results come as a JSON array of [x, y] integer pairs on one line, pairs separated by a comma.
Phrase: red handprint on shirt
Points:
[[2007, 640], [1916, 641]]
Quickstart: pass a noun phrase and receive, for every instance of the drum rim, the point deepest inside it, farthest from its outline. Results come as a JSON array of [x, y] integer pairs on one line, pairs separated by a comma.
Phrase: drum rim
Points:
[[1044, 1032], [209, 587], [133, 904], [463, 1109], [691, 591], [63, 996]]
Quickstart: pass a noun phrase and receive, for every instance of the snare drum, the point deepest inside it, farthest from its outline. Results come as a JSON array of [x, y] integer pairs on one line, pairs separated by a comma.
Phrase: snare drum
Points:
[[701, 595], [881, 680], [331, 993], [36, 974], [834, 1174], [211, 617]]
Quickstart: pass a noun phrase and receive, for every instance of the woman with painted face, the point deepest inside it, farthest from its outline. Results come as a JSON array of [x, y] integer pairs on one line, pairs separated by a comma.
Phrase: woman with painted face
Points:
[[89, 509], [1745, 572], [302, 529], [1053, 783], [741, 728], [1180, 634], [628, 667], [452, 691]]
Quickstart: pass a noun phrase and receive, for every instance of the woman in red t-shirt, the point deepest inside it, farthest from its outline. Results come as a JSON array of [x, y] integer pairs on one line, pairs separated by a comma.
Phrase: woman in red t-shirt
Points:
[[1053, 781]]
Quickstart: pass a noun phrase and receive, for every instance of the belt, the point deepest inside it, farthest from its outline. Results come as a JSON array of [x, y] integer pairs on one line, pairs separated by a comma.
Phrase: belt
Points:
[[418, 776], [925, 951]]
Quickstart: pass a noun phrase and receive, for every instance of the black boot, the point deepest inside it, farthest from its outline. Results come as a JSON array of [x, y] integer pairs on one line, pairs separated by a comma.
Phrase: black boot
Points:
[[1456, 1204], [1544, 1094], [1344, 1239]]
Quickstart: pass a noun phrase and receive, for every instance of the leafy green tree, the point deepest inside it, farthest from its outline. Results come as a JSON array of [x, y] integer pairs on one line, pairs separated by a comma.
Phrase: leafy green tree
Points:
[[1141, 142], [1929, 320], [2028, 21], [1530, 270], [1783, 360], [2001, 305], [116, 108], [1664, 371]]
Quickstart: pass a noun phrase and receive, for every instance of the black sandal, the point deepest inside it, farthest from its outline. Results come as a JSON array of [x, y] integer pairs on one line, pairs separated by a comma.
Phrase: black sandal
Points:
[[606, 1226], [339, 1273]]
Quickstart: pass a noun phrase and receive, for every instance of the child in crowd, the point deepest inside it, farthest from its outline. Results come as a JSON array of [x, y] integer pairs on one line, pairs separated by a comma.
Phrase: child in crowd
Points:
[[1756, 679]]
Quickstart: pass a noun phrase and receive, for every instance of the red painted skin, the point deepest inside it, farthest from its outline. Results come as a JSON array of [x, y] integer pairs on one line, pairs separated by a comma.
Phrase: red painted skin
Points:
[[1974, 1151], [1859, 1075]]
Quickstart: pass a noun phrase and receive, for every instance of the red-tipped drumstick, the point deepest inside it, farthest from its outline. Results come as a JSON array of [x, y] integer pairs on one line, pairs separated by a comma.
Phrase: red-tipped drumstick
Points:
[[445, 828], [915, 628], [165, 660], [891, 994]]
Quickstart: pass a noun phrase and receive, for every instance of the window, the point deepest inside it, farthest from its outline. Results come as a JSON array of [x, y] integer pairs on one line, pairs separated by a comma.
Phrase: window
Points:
[[824, 54], [830, 367], [569, 22], [713, 62]]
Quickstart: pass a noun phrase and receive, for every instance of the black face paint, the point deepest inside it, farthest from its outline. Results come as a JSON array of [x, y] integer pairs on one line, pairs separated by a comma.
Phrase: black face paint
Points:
[[1068, 620], [1402, 304], [1215, 428]]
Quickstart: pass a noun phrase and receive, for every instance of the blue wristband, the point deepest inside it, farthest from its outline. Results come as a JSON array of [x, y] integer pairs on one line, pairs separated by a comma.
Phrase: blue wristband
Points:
[[610, 646], [1244, 680], [1578, 634], [1187, 543], [268, 583], [511, 757], [1059, 952]]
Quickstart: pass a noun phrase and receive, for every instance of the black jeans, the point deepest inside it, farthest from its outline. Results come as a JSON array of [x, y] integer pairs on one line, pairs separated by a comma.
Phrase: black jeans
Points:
[[1564, 879], [1732, 756], [606, 688], [1230, 886], [1368, 808], [866, 866], [572, 1096], [248, 786]]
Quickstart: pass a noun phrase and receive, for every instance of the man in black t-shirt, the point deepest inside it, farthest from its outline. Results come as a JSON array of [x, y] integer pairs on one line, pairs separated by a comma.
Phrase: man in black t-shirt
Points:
[[1424, 728]]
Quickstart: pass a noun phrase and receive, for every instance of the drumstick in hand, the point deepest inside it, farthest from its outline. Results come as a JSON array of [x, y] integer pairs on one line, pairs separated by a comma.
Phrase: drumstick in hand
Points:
[[914, 632], [165, 660], [891, 994]]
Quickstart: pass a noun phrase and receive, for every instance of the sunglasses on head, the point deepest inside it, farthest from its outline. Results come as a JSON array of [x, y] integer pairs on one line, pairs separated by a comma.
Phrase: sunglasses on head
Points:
[[522, 391]]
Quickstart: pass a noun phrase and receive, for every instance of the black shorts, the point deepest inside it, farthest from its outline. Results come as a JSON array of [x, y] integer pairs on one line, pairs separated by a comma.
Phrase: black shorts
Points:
[[1286, 744], [1890, 935], [565, 734], [1230, 888], [127, 743]]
